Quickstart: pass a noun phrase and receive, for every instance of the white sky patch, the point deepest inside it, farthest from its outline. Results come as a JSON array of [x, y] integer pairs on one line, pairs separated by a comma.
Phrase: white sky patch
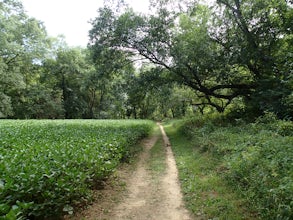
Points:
[[139, 5], [65, 17], [71, 17]]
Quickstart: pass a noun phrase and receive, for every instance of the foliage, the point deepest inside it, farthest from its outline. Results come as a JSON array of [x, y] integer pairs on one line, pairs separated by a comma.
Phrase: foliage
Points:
[[257, 163], [150, 95], [231, 54], [255, 35], [66, 73], [236, 49], [49, 167], [23, 41], [206, 193]]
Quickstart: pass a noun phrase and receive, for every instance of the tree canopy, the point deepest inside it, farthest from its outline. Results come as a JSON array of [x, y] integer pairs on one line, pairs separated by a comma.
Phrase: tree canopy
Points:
[[237, 49], [231, 56], [22, 41]]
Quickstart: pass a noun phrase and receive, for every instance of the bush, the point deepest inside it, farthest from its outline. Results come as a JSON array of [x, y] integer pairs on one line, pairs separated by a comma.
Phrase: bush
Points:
[[257, 157]]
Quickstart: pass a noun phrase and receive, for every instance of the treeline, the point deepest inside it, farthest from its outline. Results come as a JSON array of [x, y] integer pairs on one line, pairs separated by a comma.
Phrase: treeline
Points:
[[42, 77], [235, 56]]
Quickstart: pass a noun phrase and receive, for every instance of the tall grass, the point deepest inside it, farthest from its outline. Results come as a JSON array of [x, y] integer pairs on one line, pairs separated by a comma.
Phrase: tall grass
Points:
[[255, 159]]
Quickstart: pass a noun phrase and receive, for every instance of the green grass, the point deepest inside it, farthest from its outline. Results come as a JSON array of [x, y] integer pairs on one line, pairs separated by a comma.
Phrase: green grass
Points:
[[157, 162], [221, 162], [205, 192], [49, 166]]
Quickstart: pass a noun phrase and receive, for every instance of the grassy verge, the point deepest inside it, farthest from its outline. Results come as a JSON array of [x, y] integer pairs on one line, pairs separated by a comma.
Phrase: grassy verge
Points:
[[218, 159], [157, 163], [206, 194]]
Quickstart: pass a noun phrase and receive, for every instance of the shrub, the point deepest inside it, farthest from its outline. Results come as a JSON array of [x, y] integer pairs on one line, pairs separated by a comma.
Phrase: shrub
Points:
[[257, 157]]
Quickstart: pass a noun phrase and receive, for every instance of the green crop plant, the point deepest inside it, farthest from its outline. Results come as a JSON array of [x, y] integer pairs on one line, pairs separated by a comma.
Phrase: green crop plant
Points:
[[47, 167]]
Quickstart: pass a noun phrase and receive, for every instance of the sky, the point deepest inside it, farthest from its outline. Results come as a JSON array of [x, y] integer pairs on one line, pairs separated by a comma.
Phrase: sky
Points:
[[70, 17]]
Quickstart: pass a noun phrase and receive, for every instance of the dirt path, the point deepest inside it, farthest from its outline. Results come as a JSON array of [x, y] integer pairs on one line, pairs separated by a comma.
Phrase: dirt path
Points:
[[146, 199]]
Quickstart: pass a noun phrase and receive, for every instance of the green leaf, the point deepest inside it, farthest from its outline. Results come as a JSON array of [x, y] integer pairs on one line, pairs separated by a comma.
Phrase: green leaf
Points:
[[68, 209]]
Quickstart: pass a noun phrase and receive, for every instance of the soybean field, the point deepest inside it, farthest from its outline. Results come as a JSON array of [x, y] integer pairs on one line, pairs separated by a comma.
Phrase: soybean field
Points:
[[48, 167]]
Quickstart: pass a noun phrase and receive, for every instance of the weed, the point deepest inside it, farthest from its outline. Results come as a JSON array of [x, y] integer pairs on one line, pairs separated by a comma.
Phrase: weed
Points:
[[157, 156], [206, 193], [255, 159]]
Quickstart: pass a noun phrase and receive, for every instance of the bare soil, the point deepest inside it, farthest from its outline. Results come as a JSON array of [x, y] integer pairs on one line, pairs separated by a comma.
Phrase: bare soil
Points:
[[133, 193]]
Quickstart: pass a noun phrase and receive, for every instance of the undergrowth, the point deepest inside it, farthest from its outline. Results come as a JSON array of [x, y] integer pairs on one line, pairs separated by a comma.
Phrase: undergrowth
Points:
[[255, 160]]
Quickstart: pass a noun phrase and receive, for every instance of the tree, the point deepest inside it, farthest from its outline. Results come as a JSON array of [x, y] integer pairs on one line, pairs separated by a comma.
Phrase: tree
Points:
[[141, 100], [174, 48], [23, 42], [66, 73], [257, 36], [112, 67], [222, 54]]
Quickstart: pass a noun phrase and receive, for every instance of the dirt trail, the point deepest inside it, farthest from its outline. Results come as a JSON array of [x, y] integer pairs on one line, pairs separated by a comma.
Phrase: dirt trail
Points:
[[145, 198]]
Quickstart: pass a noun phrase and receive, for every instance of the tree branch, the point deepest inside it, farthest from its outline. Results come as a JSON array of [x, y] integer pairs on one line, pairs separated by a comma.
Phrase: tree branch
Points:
[[12, 59]]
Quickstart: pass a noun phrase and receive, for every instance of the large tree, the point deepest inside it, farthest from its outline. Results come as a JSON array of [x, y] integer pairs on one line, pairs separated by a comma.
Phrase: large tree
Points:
[[237, 50], [66, 73], [22, 43], [256, 36]]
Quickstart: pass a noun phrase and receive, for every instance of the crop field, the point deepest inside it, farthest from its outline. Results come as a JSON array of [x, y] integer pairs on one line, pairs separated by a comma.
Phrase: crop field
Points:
[[47, 167]]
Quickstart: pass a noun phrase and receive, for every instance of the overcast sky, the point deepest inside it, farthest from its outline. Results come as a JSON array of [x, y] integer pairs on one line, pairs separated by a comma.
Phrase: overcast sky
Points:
[[70, 17]]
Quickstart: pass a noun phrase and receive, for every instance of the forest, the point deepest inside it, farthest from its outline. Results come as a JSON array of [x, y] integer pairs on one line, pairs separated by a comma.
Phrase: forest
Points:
[[233, 57]]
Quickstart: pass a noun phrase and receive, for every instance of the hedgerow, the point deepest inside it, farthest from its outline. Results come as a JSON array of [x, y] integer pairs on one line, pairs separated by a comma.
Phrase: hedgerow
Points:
[[257, 159], [49, 167]]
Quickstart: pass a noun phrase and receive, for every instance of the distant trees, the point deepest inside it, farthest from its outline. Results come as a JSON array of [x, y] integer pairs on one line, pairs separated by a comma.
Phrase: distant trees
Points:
[[236, 55], [66, 73]]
